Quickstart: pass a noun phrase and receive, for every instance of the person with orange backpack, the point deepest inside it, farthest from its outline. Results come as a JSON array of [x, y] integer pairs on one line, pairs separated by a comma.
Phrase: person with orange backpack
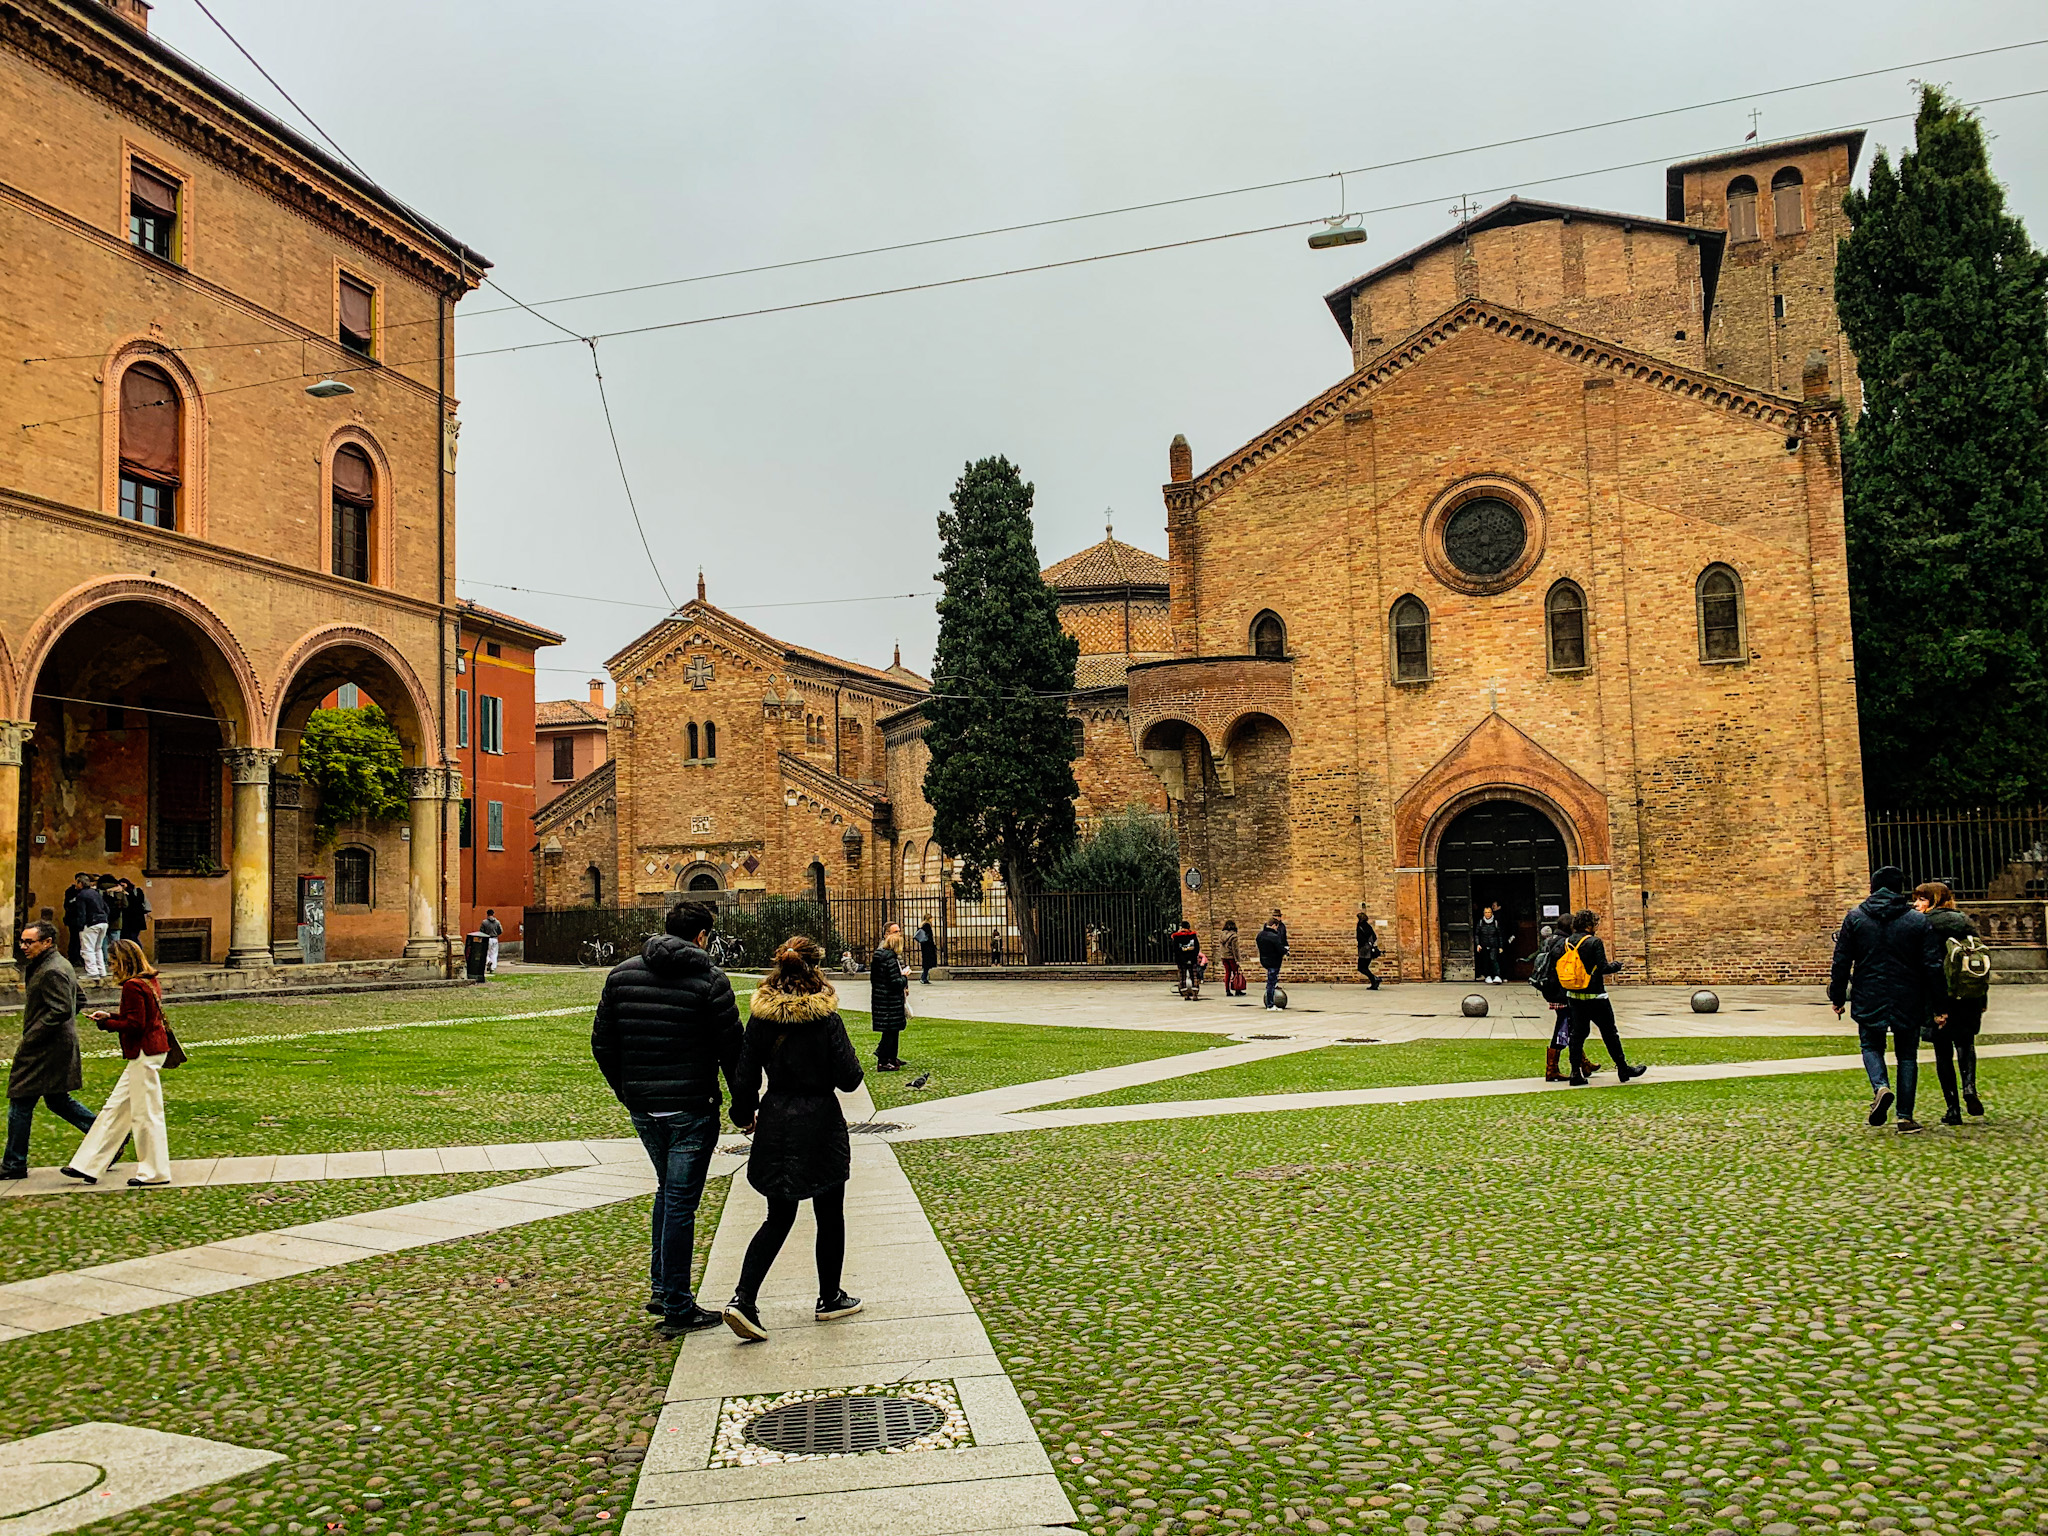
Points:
[[1582, 969]]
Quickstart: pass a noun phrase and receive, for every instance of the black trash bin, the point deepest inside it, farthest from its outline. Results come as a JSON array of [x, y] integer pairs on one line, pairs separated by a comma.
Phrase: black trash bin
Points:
[[476, 948]]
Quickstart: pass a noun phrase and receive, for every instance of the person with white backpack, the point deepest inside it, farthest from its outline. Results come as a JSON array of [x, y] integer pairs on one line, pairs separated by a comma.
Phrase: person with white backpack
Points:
[[1966, 971]]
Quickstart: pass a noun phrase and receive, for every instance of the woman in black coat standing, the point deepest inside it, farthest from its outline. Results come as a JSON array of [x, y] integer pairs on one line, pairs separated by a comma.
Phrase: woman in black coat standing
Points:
[[800, 1151], [888, 990]]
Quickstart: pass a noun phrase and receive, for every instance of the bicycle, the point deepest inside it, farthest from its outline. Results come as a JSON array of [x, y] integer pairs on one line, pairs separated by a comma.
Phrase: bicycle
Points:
[[595, 952], [727, 954]]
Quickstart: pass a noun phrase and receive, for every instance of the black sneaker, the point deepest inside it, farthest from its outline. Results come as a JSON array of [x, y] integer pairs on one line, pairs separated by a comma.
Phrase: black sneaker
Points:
[[1881, 1106], [1630, 1074], [744, 1319], [13, 1173], [1973, 1104], [653, 1307], [1581, 1082], [841, 1305], [70, 1172], [675, 1324], [1953, 1117], [1909, 1127]]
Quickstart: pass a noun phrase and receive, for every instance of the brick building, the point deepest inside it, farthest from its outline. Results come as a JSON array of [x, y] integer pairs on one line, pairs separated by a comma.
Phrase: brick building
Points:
[[496, 744], [199, 548], [570, 741], [1545, 602]]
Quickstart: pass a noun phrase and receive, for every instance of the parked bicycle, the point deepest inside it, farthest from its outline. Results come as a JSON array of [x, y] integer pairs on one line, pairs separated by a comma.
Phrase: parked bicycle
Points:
[[596, 952], [727, 954]]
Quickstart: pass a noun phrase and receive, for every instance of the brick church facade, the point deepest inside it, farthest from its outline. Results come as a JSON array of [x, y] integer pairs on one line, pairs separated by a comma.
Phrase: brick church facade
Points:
[[1545, 602]]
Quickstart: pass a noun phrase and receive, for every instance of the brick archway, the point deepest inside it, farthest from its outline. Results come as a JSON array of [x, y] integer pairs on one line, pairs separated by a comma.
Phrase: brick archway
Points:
[[1494, 762], [412, 714]]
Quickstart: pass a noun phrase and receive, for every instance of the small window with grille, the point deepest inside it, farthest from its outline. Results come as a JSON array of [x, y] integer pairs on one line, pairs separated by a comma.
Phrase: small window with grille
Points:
[[352, 871]]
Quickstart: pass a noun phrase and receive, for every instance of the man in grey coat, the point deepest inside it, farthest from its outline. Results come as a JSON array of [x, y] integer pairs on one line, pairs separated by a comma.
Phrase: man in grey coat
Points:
[[47, 1065]]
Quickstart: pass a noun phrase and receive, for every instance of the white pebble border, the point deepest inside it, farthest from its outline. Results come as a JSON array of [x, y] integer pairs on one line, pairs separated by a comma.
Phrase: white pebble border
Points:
[[731, 1448]]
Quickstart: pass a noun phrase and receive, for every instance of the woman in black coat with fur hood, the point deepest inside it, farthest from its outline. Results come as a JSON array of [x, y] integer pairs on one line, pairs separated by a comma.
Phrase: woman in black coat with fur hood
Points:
[[800, 1151]]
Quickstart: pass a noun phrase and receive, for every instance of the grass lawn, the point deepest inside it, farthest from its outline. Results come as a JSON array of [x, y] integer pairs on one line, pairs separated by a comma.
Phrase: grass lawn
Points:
[[43, 1234], [1469, 1061], [967, 1057], [508, 1381], [1723, 1306]]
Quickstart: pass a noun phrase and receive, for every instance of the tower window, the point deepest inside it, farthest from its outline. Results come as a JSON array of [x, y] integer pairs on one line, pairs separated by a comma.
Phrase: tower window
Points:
[[1566, 611], [1269, 635], [1788, 207], [1742, 209], [1720, 615]]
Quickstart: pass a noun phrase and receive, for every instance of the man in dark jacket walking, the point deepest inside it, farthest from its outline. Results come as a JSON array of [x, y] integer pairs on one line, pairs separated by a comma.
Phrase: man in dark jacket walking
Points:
[[667, 1025], [46, 1062], [1888, 972], [1272, 951]]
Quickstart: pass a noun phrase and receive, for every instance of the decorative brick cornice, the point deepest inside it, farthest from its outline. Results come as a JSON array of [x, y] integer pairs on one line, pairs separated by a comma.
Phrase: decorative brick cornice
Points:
[[600, 784], [1779, 412]]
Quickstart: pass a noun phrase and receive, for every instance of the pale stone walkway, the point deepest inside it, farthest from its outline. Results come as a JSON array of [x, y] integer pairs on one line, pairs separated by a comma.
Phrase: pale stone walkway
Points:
[[918, 1326]]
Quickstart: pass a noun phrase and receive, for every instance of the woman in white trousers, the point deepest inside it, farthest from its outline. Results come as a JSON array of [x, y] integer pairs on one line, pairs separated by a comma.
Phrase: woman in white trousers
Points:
[[137, 1103]]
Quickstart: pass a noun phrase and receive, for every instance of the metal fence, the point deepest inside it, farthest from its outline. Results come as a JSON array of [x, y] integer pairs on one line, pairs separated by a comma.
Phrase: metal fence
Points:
[[1988, 853]]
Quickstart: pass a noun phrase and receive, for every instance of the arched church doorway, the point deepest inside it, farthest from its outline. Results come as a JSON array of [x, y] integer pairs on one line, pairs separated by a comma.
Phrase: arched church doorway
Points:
[[1504, 851]]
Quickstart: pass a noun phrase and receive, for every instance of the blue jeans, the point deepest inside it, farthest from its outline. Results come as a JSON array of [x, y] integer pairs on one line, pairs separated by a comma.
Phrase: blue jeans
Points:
[[21, 1116], [1905, 1044], [680, 1147], [1272, 981]]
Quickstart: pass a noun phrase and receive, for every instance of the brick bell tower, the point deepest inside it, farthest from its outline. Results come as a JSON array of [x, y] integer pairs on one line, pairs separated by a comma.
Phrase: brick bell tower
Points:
[[1773, 300]]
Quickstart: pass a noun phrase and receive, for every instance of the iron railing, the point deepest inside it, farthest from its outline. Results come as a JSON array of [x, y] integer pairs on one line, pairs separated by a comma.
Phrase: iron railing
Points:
[[1987, 853]]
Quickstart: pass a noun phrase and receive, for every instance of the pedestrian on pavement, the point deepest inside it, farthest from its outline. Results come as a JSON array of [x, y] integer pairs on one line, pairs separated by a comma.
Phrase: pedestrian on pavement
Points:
[[134, 911], [1368, 947], [1955, 1042], [801, 1151], [1543, 977], [1887, 971], [888, 998], [1486, 940], [667, 1025], [92, 929], [927, 950], [1583, 968], [1272, 942], [1233, 969], [1187, 959], [136, 1106], [47, 1064], [493, 930]]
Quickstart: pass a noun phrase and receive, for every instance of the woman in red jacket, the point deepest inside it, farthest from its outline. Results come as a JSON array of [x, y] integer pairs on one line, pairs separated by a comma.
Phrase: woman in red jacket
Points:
[[137, 1103]]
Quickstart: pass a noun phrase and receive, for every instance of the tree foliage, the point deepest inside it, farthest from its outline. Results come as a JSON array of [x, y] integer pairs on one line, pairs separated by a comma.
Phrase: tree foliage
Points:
[[1134, 850], [1001, 779], [353, 758], [1945, 302]]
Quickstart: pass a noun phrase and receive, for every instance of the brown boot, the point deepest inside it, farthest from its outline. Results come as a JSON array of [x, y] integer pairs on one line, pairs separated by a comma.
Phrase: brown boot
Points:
[[1550, 1072]]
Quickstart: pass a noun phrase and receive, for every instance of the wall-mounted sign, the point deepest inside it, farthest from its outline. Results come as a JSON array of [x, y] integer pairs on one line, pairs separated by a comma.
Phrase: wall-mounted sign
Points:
[[1194, 879]]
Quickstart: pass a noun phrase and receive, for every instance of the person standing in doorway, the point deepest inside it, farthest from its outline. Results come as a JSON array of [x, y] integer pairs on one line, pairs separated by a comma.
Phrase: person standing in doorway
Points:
[[1486, 942], [47, 1064], [667, 1025], [1233, 970], [1887, 972], [136, 1106], [1368, 947], [927, 950], [888, 998], [1955, 1042], [1272, 943], [1582, 969], [801, 1151], [492, 930]]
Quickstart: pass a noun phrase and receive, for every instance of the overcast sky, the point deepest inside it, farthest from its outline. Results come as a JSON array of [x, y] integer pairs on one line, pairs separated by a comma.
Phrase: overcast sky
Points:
[[805, 456]]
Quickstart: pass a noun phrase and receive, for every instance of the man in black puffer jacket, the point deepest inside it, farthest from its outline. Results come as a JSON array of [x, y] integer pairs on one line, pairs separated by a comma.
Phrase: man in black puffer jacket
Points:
[[666, 1027], [1888, 971]]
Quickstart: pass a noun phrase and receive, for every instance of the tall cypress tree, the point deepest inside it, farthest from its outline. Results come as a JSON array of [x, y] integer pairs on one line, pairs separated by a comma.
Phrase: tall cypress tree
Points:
[[1945, 302], [1001, 778]]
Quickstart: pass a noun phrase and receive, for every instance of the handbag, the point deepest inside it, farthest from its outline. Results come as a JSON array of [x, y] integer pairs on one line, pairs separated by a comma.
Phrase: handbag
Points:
[[176, 1055]]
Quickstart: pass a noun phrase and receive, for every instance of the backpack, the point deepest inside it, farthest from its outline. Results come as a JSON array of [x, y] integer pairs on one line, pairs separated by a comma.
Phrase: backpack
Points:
[[1967, 969], [1571, 971], [1543, 970]]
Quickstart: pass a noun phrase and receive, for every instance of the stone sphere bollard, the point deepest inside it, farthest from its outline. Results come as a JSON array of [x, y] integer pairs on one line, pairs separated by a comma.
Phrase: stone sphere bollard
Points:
[[1475, 1006], [1704, 1001]]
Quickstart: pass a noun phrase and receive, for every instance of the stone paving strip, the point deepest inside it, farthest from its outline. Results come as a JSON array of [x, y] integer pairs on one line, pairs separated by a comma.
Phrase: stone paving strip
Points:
[[65, 1478], [918, 1326]]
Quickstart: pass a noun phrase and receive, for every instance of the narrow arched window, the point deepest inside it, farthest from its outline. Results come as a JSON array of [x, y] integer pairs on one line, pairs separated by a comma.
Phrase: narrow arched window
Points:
[[152, 438], [352, 869], [710, 741], [1742, 209], [1269, 635], [1788, 206], [355, 500], [693, 740], [1411, 641], [1720, 615], [1565, 611]]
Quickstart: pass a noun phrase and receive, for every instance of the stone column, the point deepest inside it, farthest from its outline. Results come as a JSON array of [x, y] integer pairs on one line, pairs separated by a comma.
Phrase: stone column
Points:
[[284, 870], [14, 736], [249, 873], [428, 790]]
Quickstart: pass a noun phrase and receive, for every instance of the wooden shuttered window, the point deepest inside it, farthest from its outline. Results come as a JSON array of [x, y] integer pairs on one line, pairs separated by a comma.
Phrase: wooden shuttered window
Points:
[[355, 500], [358, 310], [152, 433]]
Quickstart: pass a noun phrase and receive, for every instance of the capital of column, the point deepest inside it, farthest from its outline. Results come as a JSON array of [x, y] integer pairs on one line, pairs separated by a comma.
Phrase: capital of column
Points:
[[14, 735], [432, 783], [250, 765]]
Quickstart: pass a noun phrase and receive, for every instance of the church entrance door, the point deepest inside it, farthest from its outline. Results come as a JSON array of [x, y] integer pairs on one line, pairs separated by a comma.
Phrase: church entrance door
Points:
[[1504, 851]]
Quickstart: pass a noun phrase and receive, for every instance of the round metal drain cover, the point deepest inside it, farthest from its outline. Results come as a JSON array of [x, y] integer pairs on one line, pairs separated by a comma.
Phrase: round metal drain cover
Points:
[[827, 1425]]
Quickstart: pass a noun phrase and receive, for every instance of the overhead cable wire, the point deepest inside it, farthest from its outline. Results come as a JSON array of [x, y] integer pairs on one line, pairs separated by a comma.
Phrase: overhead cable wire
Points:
[[625, 479], [620, 602]]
